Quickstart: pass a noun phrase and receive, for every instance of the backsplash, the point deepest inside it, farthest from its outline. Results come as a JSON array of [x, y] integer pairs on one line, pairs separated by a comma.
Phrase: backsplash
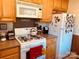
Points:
[[6, 26], [22, 23], [43, 24]]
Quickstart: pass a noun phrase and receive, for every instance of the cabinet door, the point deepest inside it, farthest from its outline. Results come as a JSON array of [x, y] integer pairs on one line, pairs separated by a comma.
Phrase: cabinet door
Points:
[[37, 1], [50, 52], [0, 8], [65, 5], [57, 5], [26, 0], [47, 10], [51, 49], [33, 1], [14, 56], [9, 10]]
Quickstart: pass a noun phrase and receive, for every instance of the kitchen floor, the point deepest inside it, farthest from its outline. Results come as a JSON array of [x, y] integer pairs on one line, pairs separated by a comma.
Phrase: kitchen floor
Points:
[[72, 56]]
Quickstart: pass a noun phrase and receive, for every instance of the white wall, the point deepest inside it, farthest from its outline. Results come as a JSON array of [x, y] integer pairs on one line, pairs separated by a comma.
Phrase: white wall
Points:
[[74, 8]]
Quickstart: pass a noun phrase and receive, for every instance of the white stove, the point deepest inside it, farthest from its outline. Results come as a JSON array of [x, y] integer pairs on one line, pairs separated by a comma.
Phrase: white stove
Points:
[[27, 42], [32, 42]]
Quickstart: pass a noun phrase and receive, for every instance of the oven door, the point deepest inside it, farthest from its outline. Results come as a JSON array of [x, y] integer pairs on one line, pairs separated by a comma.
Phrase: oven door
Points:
[[24, 53]]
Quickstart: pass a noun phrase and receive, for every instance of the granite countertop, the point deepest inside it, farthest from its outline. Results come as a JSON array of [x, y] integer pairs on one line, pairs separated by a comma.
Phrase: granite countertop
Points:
[[48, 36], [9, 44], [14, 43]]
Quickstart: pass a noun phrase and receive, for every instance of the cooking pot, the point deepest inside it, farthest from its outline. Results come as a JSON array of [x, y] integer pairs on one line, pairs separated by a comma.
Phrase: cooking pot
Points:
[[33, 31]]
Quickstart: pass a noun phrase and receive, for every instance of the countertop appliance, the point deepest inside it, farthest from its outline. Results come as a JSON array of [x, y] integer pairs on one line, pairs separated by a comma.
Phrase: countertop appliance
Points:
[[39, 29], [27, 42], [45, 30], [28, 10], [10, 35], [3, 36], [62, 27]]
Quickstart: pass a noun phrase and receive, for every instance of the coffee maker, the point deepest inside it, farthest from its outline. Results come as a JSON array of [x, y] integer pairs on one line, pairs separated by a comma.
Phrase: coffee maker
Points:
[[10, 35]]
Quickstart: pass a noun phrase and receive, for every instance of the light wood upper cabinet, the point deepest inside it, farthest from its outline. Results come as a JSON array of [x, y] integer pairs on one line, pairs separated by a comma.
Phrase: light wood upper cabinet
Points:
[[60, 5], [0, 8], [37, 1], [9, 10], [57, 5], [33, 1], [47, 10], [26, 0], [65, 5]]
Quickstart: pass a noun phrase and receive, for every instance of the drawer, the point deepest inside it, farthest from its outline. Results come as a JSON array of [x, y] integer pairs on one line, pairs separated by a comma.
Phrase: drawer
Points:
[[10, 51]]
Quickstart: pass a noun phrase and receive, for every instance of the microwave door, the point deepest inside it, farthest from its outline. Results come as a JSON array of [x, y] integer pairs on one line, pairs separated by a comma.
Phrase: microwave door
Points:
[[26, 11]]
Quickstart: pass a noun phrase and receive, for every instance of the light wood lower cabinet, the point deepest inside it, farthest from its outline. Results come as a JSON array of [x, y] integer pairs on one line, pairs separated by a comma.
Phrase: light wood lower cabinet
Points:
[[51, 52], [14, 56], [12, 53], [51, 49]]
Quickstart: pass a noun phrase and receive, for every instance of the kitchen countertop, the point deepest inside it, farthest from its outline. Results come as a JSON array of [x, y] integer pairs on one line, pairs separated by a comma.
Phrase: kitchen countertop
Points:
[[48, 36], [8, 44], [14, 43]]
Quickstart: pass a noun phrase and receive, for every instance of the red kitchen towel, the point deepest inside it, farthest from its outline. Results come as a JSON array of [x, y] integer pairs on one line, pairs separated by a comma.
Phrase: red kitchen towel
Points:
[[36, 52]]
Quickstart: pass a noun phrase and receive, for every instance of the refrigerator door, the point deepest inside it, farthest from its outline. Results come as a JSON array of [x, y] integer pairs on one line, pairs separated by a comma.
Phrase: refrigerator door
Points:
[[65, 36], [54, 26]]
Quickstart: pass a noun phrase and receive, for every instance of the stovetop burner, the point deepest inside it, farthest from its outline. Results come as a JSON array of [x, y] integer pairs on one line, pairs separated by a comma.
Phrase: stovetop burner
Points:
[[25, 39]]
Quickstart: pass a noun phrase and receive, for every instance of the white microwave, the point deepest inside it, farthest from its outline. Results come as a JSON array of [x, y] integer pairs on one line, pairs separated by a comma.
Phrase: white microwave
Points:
[[28, 10]]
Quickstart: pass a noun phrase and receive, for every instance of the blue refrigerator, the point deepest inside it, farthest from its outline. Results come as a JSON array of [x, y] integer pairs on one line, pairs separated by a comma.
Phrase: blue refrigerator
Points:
[[62, 27]]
